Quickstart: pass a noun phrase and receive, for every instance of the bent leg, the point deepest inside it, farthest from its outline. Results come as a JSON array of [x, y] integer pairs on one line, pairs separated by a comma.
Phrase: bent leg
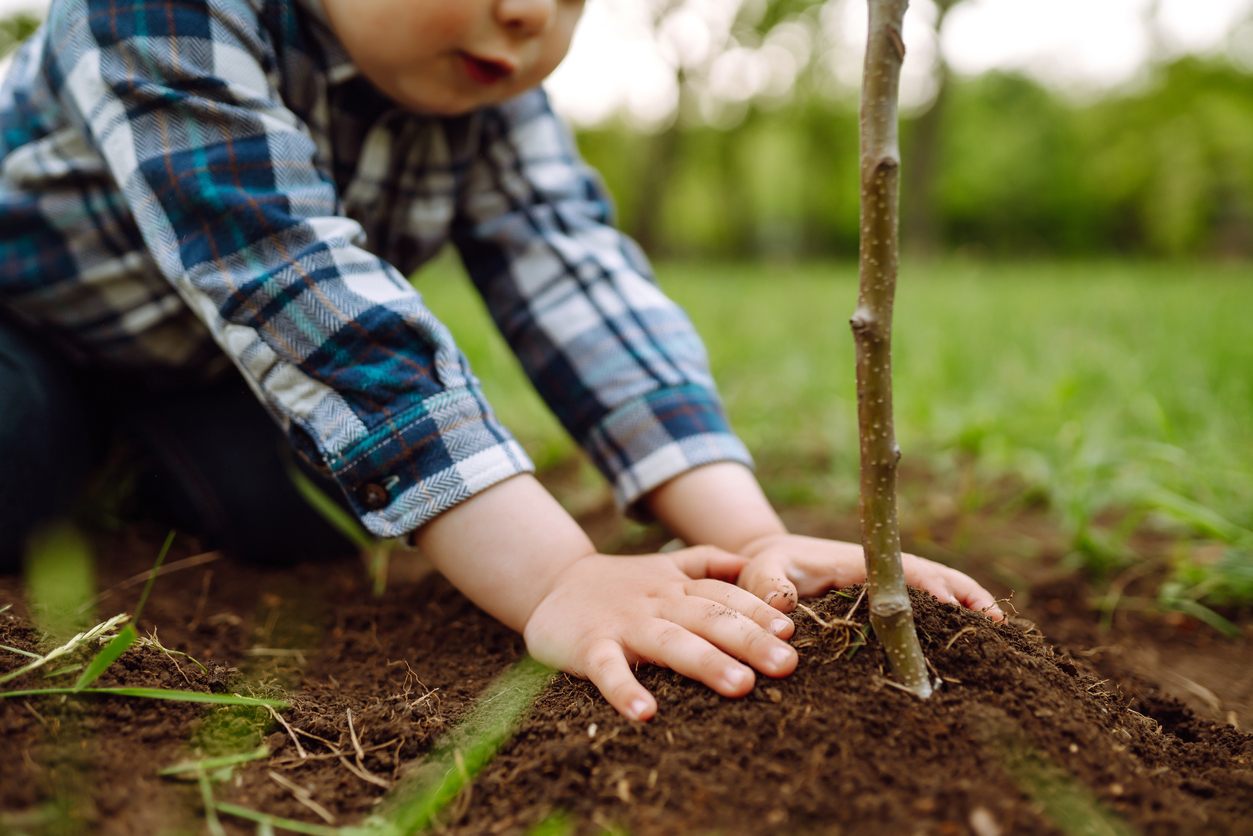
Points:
[[44, 440], [220, 466]]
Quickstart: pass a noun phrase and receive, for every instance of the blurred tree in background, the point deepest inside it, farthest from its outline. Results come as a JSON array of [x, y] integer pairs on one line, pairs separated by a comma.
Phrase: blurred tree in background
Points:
[[995, 164], [14, 30]]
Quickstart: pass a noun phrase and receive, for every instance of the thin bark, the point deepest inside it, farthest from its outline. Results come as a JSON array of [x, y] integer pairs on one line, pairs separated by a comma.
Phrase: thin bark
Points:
[[890, 613]]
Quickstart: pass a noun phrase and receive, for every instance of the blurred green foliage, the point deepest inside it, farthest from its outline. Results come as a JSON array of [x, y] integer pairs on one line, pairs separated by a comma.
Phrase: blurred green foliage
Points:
[[60, 580], [14, 29], [1164, 169], [1109, 390]]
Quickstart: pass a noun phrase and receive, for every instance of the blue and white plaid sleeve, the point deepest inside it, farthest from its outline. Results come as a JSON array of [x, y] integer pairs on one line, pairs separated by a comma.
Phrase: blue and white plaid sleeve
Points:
[[618, 362], [224, 182]]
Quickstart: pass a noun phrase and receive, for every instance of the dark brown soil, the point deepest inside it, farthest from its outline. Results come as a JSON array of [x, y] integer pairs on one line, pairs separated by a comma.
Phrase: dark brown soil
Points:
[[1024, 732]]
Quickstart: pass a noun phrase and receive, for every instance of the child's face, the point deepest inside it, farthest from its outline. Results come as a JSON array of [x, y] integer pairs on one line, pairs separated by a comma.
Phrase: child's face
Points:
[[452, 56]]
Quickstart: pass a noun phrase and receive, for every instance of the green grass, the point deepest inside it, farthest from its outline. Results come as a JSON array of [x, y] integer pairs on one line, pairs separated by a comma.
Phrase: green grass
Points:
[[1108, 385], [60, 580]]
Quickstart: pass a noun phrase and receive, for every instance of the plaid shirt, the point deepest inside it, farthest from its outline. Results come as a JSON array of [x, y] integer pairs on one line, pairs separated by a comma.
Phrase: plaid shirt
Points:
[[182, 181]]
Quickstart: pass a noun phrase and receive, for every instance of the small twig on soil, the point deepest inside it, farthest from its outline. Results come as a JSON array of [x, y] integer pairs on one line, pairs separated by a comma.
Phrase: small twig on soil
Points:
[[300, 750], [410, 673], [312, 736], [332, 755], [352, 732], [142, 577], [848, 616], [364, 774], [835, 622], [298, 761], [38, 716], [302, 795], [963, 631], [1097, 685], [1009, 602], [422, 699], [807, 611]]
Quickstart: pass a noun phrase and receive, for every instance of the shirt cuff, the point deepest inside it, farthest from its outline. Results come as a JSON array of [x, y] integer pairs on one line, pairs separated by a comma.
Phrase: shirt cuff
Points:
[[426, 460], [647, 442]]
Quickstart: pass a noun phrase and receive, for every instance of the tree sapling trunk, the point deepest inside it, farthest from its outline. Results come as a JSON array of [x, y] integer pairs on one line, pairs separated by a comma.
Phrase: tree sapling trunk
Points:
[[890, 612]]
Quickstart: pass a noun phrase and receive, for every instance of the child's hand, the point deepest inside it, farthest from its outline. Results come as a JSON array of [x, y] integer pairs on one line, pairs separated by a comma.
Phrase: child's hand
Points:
[[606, 614], [783, 566]]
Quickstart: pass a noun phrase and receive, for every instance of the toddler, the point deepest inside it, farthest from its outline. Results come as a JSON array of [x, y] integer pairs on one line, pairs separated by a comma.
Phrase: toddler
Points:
[[202, 195]]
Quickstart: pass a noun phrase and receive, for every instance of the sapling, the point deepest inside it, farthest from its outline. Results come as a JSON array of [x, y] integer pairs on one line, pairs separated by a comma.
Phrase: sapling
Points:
[[890, 613]]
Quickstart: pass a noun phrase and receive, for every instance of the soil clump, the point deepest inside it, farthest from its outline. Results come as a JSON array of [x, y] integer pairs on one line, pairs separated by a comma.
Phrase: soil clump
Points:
[[1021, 735]]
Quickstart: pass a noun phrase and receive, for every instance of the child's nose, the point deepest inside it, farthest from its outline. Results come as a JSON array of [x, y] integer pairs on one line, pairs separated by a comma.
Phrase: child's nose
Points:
[[525, 17]]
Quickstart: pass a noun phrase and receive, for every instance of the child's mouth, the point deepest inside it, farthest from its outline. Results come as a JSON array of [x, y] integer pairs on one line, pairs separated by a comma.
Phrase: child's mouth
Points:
[[484, 70]]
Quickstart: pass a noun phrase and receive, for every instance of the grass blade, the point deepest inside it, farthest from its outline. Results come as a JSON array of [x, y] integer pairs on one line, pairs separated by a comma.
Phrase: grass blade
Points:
[[156, 568], [210, 806], [1199, 517], [210, 764], [153, 694], [63, 671], [340, 519], [121, 642], [73, 644], [20, 652], [60, 577], [1204, 614], [286, 824], [466, 750]]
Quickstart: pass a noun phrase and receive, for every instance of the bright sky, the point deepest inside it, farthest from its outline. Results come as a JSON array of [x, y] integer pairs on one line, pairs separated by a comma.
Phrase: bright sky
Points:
[[617, 66]]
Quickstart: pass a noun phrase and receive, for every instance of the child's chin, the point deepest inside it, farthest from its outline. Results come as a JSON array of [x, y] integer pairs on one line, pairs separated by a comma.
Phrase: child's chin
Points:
[[449, 103]]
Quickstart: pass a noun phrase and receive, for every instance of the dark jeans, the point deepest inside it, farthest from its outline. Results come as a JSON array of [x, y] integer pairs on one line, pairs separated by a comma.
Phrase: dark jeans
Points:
[[211, 461]]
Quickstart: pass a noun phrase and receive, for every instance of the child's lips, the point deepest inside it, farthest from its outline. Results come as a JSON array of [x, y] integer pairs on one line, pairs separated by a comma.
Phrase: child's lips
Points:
[[486, 71]]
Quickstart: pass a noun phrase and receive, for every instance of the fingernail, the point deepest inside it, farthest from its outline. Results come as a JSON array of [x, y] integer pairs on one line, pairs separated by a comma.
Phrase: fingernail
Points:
[[778, 625], [637, 708], [780, 656], [735, 677], [771, 596]]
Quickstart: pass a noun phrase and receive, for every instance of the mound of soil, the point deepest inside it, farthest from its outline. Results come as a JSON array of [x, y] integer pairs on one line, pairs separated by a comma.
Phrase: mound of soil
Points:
[[834, 749], [1023, 736]]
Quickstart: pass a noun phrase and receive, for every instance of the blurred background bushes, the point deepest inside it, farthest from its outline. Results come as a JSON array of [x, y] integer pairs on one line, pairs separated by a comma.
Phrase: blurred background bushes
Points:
[[996, 164], [1008, 167]]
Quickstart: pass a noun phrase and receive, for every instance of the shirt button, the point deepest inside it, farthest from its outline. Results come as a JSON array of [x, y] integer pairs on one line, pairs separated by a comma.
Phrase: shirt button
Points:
[[373, 496]]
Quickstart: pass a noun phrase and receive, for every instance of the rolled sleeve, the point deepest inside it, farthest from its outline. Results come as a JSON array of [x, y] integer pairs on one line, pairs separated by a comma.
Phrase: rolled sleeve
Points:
[[617, 361], [244, 220]]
